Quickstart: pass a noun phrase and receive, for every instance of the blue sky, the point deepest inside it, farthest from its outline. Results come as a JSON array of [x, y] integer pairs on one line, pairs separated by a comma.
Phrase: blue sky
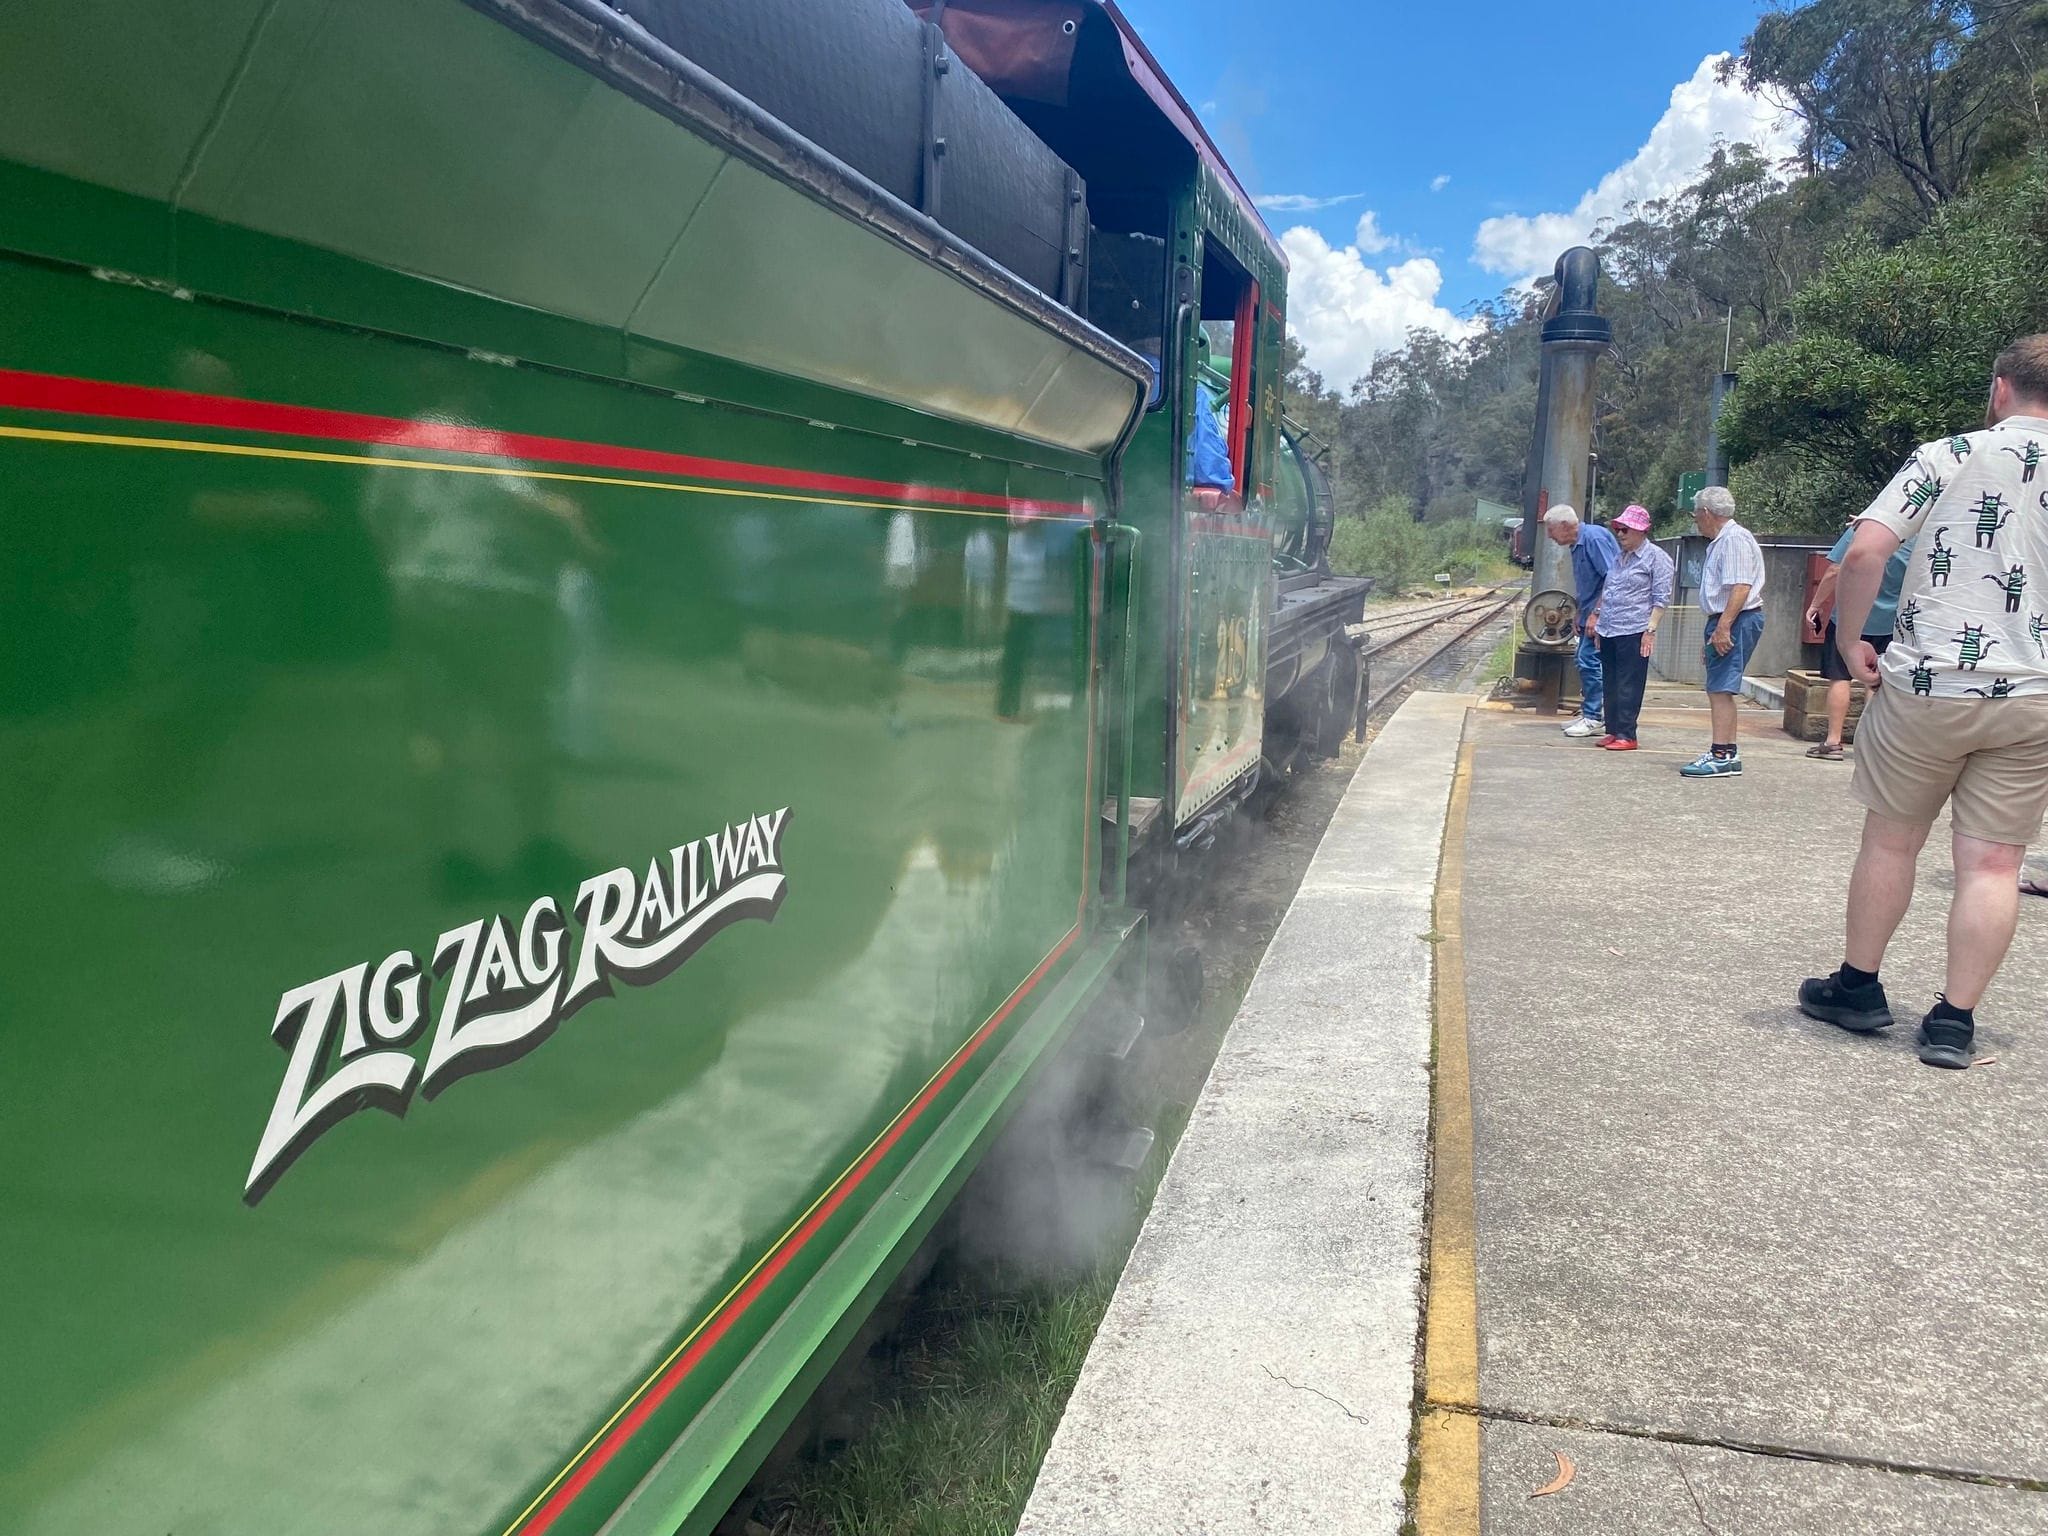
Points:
[[1477, 140]]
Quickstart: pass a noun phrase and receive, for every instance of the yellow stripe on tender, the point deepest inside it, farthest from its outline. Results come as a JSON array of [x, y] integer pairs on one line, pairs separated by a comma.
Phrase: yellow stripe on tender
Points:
[[371, 461]]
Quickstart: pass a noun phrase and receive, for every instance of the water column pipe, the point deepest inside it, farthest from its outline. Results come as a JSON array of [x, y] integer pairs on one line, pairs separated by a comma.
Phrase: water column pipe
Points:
[[1717, 459], [1574, 337]]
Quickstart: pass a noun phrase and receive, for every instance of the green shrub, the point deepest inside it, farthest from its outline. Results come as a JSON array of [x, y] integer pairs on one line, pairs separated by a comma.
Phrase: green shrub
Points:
[[1386, 544], [1348, 547], [1396, 551]]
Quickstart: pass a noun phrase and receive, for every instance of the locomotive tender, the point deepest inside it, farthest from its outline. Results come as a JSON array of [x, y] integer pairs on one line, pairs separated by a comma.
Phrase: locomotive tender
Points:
[[597, 607]]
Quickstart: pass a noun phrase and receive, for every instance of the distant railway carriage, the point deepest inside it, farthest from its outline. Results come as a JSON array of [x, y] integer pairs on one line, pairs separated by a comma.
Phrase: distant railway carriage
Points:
[[599, 607], [1516, 533]]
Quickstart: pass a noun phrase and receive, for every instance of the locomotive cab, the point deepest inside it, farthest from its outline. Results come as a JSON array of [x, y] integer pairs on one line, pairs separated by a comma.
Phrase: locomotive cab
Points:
[[1182, 269]]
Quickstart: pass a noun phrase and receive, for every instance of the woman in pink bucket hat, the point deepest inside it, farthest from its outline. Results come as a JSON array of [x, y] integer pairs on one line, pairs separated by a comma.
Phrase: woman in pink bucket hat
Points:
[[1625, 621]]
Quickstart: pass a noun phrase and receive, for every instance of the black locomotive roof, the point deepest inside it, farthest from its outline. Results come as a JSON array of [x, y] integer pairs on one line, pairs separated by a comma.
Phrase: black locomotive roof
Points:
[[858, 79], [1078, 72]]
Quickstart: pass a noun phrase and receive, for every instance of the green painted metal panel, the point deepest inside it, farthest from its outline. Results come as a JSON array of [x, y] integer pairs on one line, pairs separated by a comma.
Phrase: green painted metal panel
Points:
[[803, 291], [1292, 500], [62, 55], [284, 711], [1226, 220], [295, 696], [1222, 670], [1151, 505], [398, 164], [458, 156], [1218, 665]]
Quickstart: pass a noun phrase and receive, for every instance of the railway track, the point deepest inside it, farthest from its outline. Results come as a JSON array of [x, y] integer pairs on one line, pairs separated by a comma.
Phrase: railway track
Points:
[[1458, 617], [1414, 621]]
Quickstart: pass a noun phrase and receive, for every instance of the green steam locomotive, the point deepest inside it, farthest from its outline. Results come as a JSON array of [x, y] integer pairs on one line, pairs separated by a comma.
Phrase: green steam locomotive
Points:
[[606, 624]]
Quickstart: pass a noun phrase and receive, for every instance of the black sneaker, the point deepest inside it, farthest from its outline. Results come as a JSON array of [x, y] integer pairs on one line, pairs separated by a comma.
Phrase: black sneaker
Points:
[[1945, 1042], [1856, 1009]]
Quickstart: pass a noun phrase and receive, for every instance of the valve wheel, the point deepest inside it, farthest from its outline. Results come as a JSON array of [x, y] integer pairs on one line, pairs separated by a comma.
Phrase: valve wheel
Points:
[[1549, 617]]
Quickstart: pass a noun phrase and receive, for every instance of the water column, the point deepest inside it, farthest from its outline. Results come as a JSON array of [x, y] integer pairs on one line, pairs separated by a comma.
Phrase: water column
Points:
[[1574, 337]]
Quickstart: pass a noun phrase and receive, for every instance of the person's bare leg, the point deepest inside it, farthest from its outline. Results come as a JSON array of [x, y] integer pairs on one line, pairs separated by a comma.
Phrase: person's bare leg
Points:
[[1881, 889], [1982, 917], [1838, 710], [1721, 706]]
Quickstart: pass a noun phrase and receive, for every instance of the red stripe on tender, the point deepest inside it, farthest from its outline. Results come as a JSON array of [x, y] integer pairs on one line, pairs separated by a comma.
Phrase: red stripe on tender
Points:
[[136, 402], [672, 1376]]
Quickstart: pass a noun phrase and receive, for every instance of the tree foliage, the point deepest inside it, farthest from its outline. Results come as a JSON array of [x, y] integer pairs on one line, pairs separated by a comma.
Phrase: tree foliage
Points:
[[1907, 87], [1894, 345], [1861, 289]]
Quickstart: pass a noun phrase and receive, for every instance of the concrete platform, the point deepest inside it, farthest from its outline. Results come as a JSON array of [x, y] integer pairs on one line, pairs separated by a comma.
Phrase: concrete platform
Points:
[[1750, 1274], [1710, 1234], [1256, 1370]]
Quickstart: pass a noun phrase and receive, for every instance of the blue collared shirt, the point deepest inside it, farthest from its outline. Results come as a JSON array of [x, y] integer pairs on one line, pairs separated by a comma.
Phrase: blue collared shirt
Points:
[[1884, 612], [1636, 584], [1594, 552], [1208, 453]]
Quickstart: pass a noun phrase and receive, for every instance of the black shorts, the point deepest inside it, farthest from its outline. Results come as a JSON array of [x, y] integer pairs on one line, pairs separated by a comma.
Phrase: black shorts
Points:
[[1831, 666]]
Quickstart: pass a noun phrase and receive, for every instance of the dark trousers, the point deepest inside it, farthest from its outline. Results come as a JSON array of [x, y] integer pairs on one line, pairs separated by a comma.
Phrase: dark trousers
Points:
[[1627, 672]]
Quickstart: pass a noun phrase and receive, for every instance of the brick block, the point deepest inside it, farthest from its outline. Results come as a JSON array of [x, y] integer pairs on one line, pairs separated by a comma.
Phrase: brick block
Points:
[[1814, 727]]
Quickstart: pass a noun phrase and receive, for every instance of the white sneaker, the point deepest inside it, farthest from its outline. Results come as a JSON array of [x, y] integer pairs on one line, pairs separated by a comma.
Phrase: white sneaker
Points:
[[1581, 728]]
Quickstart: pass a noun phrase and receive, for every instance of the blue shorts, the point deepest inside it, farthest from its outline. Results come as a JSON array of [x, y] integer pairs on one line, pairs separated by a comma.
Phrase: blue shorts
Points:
[[1724, 673]]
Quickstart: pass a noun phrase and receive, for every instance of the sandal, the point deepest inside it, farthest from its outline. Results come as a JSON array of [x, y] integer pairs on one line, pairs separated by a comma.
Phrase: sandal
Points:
[[1825, 751], [2029, 886]]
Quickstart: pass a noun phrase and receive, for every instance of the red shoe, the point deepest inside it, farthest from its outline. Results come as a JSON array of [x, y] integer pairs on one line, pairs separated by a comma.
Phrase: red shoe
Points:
[[1620, 744], [1606, 741]]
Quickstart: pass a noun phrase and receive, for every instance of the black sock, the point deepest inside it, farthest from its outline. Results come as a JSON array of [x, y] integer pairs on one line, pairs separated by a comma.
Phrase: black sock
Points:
[[1944, 1009], [1851, 977], [1724, 749]]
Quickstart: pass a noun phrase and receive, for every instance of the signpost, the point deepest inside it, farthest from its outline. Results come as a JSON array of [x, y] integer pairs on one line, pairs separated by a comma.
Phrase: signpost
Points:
[[1690, 484]]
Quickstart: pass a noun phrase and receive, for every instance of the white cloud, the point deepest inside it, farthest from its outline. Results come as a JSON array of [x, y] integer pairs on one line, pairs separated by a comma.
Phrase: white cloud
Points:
[[1346, 312], [1702, 111], [1301, 202], [1369, 237], [1438, 183]]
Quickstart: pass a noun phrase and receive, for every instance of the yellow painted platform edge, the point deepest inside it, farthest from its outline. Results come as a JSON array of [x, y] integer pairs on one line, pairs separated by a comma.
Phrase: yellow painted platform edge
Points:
[[1447, 1439]]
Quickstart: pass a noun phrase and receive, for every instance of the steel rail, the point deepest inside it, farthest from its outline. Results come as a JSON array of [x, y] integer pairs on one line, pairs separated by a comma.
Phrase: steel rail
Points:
[[1436, 606], [1387, 689], [1427, 623]]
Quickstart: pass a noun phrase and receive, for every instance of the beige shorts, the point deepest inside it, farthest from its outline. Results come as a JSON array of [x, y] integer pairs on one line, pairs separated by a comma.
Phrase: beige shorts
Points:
[[1986, 758]]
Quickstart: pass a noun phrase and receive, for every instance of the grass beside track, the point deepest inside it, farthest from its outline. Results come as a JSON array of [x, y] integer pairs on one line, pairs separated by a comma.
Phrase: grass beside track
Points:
[[1502, 662], [970, 1405], [981, 1391]]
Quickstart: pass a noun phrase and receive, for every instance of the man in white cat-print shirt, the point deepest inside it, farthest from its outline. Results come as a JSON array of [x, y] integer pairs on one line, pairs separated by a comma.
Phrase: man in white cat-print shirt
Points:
[[1958, 713]]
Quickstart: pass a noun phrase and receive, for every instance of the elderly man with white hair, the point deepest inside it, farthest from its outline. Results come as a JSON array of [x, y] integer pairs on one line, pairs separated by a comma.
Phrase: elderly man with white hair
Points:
[[1732, 603], [1593, 554]]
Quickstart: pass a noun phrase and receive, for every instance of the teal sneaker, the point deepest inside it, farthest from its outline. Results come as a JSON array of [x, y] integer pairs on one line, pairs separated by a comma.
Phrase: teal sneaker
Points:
[[1708, 766]]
